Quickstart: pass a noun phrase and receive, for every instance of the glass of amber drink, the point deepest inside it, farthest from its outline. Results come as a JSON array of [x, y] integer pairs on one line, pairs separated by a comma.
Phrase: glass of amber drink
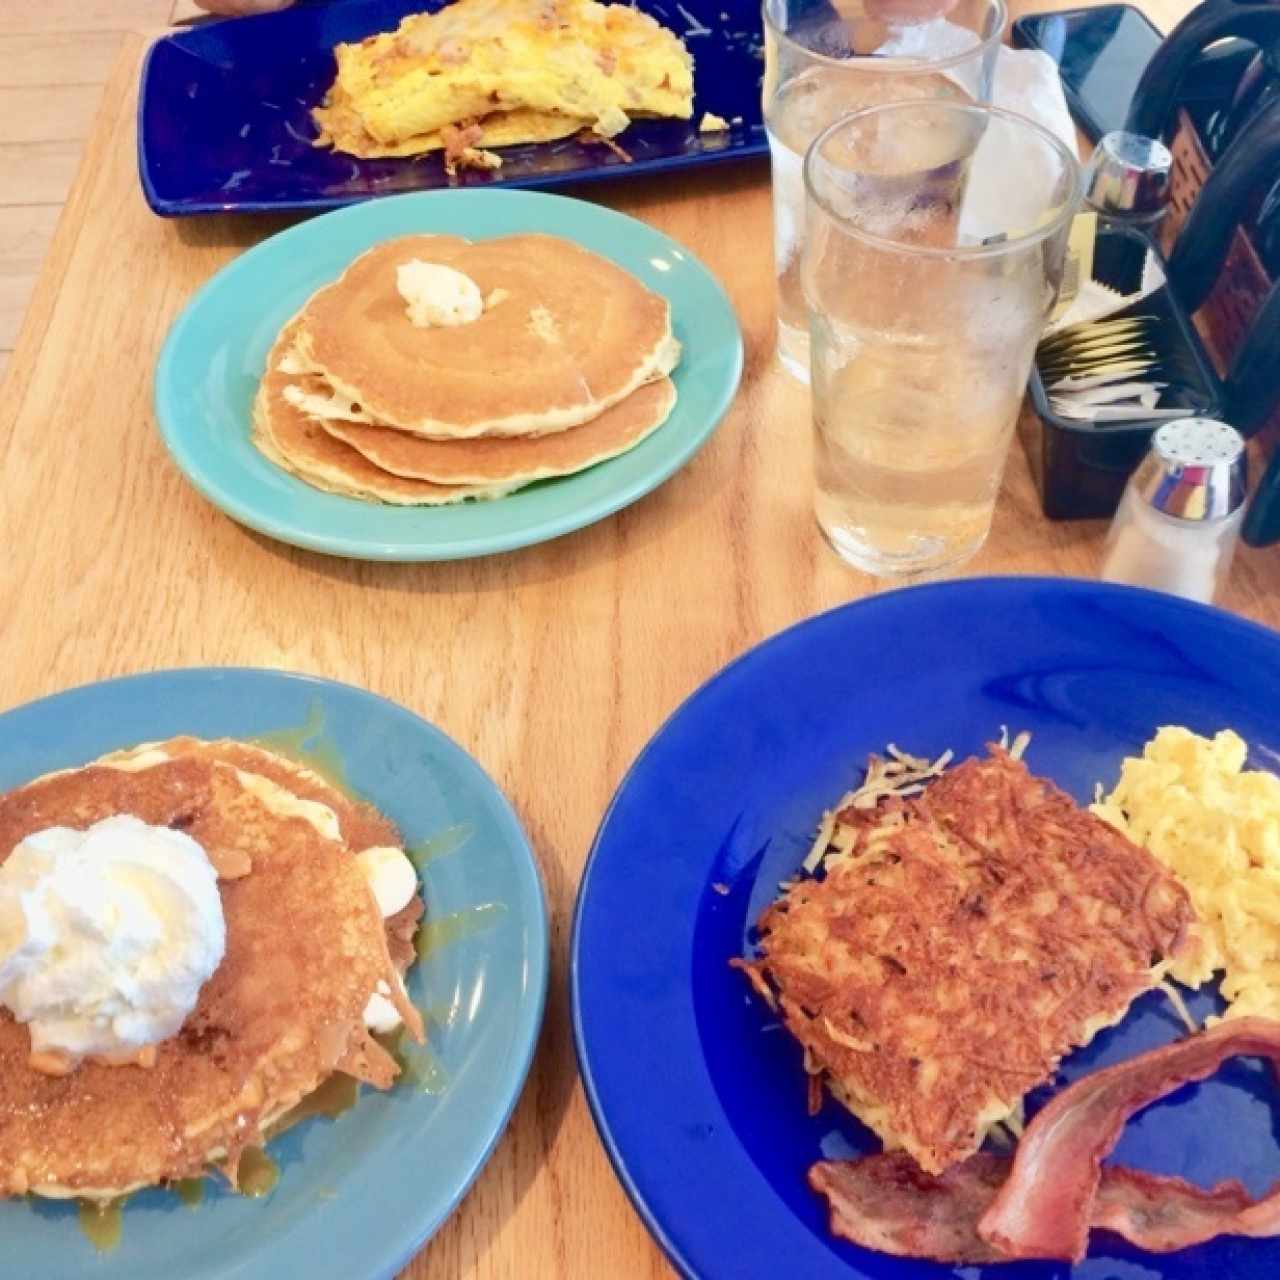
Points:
[[936, 238]]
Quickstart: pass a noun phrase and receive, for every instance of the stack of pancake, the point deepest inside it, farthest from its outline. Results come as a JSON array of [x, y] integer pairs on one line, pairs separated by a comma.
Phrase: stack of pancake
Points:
[[306, 947], [566, 365]]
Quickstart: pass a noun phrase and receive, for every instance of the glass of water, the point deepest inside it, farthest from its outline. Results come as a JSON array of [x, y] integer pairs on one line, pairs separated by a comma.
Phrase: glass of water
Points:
[[824, 60], [935, 245]]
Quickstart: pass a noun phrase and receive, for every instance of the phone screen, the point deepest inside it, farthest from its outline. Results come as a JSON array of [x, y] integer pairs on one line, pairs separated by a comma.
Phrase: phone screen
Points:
[[1101, 54]]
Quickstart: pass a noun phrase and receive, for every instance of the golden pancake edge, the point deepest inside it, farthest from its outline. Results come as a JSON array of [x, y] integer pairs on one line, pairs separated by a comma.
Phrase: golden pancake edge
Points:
[[306, 946]]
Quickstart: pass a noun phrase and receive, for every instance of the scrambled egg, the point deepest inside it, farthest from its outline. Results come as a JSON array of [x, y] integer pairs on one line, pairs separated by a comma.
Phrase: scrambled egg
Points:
[[1216, 826], [509, 71]]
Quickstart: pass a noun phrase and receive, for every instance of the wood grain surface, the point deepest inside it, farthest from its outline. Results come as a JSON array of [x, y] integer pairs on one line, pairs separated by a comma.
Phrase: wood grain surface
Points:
[[553, 665], [55, 57]]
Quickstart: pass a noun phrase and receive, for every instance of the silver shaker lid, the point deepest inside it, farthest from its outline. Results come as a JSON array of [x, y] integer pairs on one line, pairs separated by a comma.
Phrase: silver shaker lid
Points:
[[1128, 176], [1197, 470]]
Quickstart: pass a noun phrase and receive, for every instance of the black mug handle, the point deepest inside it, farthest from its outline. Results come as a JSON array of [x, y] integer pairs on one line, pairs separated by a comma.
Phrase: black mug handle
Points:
[[1151, 107], [1252, 385], [1262, 520], [1202, 244]]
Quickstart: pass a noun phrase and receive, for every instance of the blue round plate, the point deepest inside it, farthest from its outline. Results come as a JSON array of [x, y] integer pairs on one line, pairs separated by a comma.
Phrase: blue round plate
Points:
[[699, 1097], [357, 1195], [210, 365]]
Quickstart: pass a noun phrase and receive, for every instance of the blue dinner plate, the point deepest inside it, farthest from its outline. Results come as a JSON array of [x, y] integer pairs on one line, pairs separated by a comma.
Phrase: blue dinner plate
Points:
[[213, 358], [224, 117], [359, 1194], [698, 1095]]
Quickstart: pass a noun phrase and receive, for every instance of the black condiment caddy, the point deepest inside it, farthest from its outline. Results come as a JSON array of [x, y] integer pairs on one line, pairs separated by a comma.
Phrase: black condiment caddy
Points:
[[1222, 311], [1081, 467]]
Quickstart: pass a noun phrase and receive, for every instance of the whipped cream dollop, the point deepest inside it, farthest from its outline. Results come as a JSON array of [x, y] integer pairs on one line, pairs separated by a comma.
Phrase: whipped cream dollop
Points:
[[393, 881], [437, 295], [107, 935]]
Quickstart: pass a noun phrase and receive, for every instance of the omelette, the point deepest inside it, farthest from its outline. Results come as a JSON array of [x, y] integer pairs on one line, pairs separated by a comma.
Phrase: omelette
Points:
[[492, 73]]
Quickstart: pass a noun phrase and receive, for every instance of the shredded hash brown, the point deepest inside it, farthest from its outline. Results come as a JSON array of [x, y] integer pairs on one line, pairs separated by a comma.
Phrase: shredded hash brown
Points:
[[957, 945]]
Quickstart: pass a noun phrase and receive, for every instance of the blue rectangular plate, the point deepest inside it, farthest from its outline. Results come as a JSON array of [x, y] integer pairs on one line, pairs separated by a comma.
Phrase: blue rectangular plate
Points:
[[224, 121]]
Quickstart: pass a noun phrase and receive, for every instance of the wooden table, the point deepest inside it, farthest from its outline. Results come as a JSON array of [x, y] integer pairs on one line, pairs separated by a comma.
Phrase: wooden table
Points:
[[552, 665]]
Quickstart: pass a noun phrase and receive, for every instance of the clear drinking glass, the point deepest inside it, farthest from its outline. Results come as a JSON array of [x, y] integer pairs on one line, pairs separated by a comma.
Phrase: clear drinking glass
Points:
[[933, 255], [823, 61]]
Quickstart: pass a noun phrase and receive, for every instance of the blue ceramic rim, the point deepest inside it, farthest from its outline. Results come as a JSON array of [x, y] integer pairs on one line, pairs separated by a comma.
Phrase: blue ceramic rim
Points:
[[459, 549], [1067, 585], [399, 1247], [756, 147]]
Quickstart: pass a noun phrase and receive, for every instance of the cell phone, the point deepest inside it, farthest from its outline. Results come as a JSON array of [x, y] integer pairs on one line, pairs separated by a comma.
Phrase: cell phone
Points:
[[1100, 53]]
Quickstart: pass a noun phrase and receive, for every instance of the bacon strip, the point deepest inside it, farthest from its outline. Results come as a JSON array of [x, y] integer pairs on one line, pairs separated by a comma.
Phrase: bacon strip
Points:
[[1042, 1202], [1046, 1207], [887, 1202], [1161, 1214]]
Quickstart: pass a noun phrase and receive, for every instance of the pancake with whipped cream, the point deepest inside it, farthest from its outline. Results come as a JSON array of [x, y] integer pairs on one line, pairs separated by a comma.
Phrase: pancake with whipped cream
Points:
[[514, 336], [373, 838], [193, 937]]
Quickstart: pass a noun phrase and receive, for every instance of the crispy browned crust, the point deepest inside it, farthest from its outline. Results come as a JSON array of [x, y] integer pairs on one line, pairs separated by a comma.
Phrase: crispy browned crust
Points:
[[401, 929], [974, 935], [305, 948]]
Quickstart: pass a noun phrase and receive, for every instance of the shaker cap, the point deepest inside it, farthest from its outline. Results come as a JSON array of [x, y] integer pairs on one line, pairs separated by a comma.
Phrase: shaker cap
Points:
[[1197, 470], [1128, 175]]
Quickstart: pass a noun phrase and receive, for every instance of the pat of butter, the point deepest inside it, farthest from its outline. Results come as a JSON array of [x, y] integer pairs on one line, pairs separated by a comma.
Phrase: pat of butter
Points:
[[284, 804], [391, 876], [436, 295], [380, 1015], [394, 881], [144, 757]]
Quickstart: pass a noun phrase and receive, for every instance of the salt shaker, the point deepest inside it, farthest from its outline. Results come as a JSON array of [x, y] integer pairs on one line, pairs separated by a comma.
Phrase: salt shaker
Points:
[[1179, 521]]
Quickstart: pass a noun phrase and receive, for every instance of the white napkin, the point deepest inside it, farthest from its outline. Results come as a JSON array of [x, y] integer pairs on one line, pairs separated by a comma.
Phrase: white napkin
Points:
[[1026, 80], [1010, 187], [1005, 191]]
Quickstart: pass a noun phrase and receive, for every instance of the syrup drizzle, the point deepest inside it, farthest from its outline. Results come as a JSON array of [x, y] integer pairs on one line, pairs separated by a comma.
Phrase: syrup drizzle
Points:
[[440, 845], [440, 931], [309, 744], [258, 1173], [102, 1222], [420, 1069], [190, 1191]]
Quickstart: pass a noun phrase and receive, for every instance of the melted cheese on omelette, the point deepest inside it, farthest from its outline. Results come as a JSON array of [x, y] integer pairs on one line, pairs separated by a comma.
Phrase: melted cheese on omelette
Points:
[[551, 66]]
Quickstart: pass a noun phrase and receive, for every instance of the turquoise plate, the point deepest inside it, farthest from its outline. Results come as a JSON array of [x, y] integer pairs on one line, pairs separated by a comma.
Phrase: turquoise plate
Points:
[[210, 365], [359, 1194]]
